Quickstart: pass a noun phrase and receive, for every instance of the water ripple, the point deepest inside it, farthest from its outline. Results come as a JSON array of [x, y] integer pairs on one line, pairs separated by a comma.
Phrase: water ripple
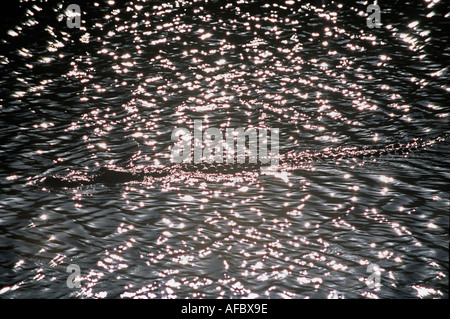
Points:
[[112, 92]]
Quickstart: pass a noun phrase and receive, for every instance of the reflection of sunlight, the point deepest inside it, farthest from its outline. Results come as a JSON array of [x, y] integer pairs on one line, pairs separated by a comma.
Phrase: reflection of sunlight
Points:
[[159, 69], [386, 179]]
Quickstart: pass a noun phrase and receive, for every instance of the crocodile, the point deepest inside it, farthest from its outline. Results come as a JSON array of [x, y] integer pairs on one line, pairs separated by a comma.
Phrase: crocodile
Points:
[[289, 161]]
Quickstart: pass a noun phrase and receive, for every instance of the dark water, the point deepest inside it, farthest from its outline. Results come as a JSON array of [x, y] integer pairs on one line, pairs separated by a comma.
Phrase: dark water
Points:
[[112, 92]]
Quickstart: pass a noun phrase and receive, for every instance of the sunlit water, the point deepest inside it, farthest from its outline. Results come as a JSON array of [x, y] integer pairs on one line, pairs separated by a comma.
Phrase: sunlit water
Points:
[[113, 91]]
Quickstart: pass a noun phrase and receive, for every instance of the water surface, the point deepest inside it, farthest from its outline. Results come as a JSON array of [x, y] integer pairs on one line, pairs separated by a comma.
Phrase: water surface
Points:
[[113, 91]]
